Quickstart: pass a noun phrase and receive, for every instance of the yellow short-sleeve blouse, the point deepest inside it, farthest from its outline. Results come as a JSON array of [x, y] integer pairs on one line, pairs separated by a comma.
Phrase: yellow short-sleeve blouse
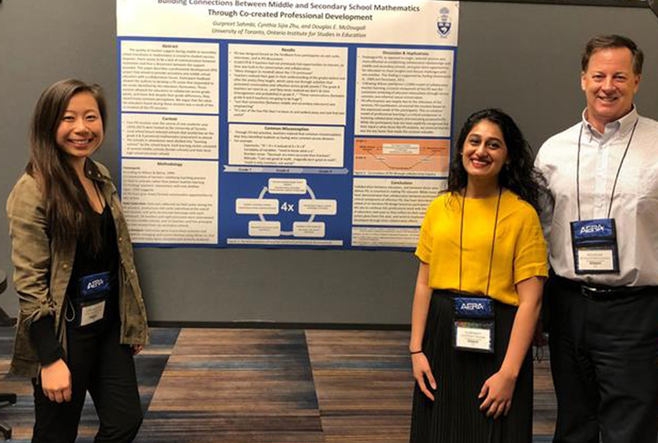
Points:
[[518, 254]]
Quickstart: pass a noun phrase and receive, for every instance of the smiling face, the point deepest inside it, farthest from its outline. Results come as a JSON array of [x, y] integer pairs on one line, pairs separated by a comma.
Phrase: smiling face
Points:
[[609, 85], [484, 152], [80, 131]]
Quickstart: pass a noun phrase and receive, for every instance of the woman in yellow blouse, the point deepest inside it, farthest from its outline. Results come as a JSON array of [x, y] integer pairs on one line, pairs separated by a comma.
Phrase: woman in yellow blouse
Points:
[[478, 292]]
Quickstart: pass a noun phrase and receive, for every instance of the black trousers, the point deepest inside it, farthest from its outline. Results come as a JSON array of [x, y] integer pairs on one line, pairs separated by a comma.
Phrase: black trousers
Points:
[[604, 361], [100, 365]]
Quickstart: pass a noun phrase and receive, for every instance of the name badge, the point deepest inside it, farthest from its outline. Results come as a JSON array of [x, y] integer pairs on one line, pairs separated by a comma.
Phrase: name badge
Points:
[[91, 313], [595, 248], [89, 305], [474, 335], [473, 328], [94, 285]]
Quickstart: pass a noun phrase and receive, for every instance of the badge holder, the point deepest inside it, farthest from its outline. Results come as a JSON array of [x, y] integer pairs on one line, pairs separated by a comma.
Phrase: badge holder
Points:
[[595, 246], [474, 325], [89, 307]]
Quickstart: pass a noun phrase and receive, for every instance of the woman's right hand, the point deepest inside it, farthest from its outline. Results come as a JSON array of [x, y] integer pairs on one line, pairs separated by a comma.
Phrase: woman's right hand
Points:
[[422, 370], [56, 381]]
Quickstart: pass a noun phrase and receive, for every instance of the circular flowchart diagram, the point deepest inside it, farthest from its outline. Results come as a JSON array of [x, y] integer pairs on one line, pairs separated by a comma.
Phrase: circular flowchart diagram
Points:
[[269, 205]]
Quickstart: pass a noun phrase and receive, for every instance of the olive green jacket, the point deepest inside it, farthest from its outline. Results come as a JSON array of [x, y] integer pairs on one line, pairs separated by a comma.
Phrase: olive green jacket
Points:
[[42, 273]]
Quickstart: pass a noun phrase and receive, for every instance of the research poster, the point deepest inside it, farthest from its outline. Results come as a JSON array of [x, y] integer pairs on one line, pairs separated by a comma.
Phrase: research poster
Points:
[[284, 124]]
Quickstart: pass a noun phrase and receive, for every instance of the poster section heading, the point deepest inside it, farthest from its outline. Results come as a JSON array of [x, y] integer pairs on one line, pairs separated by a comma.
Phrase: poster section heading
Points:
[[170, 202], [282, 144], [379, 22]]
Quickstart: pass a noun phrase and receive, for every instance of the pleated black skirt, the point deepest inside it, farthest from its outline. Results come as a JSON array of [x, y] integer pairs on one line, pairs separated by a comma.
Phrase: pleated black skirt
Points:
[[454, 416]]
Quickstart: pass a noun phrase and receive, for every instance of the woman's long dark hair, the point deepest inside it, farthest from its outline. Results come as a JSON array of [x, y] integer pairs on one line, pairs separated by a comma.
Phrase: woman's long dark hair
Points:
[[68, 211], [518, 175]]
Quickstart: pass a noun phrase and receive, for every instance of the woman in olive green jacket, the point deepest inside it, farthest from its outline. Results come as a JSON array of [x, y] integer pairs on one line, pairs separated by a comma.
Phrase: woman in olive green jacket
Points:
[[82, 316]]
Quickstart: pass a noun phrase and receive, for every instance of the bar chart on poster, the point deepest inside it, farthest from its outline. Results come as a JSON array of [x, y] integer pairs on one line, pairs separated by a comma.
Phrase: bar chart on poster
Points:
[[290, 124]]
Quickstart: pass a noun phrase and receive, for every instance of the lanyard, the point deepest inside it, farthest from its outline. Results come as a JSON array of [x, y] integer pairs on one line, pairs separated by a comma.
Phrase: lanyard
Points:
[[493, 242], [614, 185]]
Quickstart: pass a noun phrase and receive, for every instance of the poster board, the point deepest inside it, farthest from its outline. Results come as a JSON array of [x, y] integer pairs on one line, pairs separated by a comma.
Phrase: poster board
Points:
[[290, 124]]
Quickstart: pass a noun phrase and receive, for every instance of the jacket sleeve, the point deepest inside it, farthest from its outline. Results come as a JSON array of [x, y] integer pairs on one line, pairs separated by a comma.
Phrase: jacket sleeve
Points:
[[31, 255]]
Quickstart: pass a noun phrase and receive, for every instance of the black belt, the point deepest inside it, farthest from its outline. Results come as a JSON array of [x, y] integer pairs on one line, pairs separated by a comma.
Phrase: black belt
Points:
[[597, 292]]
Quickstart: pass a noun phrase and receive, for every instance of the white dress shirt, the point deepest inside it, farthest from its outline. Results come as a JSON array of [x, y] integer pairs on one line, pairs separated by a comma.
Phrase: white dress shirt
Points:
[[635, 203]]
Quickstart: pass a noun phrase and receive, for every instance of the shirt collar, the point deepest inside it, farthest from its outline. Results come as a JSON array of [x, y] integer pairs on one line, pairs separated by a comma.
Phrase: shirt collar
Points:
[[94, 172], [622, 126]]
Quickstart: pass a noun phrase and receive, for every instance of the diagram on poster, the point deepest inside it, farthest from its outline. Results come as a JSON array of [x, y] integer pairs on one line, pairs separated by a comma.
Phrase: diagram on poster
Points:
[[401, 157], [294, 124], [268, 204]]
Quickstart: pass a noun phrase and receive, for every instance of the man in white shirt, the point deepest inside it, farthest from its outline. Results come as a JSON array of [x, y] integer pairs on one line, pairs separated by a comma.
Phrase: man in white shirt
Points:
[[603, 239]]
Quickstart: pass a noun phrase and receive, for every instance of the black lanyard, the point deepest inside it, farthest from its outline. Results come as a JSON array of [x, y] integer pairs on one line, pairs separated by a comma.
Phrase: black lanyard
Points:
[[493, 242], [614, 185]]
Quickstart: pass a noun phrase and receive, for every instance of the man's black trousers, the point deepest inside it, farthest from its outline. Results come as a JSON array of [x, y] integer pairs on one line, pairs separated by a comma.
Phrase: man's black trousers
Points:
[[604, 360]]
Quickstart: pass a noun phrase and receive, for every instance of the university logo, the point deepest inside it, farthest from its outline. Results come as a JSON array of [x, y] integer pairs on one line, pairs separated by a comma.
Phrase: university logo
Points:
[[443, 23]]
